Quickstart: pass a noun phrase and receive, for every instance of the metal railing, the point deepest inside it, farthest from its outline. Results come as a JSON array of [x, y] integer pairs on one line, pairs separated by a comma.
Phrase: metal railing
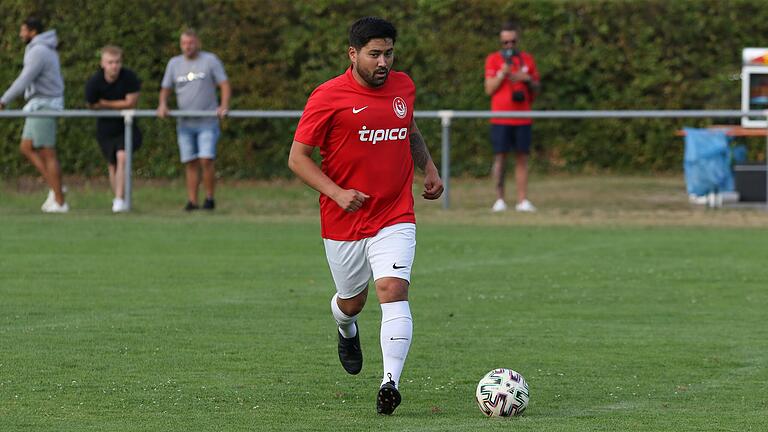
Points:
[[446, 118]]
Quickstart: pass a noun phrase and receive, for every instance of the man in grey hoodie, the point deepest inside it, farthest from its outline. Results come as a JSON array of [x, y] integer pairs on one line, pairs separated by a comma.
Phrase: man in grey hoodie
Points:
[[43, 86]]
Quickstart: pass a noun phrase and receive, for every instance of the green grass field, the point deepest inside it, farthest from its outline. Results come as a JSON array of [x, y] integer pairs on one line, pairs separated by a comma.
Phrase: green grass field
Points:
[[628, 311]]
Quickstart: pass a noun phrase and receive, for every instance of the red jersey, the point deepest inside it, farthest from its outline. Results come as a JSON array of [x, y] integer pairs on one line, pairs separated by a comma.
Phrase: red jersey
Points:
[[502, 99], [364, 139]]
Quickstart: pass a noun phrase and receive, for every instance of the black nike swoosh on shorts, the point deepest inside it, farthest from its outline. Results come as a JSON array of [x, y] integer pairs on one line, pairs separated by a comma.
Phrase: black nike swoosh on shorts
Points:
[[397, 267]]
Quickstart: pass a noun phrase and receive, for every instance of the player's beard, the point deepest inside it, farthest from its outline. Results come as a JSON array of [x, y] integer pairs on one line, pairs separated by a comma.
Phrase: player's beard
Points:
[[377, 77]]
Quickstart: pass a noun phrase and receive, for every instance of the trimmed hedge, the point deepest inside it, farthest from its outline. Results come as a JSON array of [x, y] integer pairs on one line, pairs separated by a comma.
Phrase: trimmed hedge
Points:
[[659, 54]]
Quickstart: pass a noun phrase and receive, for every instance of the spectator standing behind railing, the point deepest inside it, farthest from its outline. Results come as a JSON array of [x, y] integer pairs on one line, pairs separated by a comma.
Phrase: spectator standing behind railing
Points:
[[114, 87], [512, 81], [194, 76], [43, 86]]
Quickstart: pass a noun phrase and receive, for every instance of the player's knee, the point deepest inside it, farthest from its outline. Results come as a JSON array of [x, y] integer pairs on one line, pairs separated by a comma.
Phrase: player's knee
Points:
[[352, 309], [47, 154], [352, 306], [392, 289]]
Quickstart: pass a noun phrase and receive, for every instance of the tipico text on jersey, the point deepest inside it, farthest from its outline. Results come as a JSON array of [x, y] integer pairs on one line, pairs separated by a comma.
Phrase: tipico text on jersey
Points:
[[380, 135]]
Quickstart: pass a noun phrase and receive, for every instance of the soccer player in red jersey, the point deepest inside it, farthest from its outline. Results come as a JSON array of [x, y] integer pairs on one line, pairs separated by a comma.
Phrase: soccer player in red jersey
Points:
[[362, 121]]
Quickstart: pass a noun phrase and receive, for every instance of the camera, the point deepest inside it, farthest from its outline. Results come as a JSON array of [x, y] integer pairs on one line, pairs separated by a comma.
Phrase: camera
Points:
[[508, 54]]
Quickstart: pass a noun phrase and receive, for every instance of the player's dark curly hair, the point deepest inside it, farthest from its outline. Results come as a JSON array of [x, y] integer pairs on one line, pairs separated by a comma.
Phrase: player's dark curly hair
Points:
[[34, 23], [365, 29]]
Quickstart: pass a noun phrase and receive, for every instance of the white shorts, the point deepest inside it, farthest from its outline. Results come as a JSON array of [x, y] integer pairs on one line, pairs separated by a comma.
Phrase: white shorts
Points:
[[389, 253]]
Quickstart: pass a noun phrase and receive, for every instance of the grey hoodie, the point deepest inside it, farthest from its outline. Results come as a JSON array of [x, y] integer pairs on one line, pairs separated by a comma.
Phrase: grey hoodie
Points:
[[41, 76]]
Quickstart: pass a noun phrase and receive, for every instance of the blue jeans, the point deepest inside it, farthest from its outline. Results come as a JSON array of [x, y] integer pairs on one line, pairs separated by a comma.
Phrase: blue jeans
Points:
[[198, 142]]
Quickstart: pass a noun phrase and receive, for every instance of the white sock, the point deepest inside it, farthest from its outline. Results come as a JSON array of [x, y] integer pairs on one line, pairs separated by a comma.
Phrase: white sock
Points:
[[346, 323], [396, 335]]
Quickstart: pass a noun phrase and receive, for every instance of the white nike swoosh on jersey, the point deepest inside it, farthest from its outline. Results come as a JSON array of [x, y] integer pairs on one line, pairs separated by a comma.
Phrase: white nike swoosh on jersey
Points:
[[357, 110]]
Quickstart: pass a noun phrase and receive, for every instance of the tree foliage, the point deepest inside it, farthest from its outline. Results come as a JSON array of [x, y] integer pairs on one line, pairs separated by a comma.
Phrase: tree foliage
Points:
[[653, 54]]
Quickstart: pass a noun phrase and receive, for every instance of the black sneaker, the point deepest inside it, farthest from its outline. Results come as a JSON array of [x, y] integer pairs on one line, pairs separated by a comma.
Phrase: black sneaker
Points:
[[190, 206], [388, 398], [209, 204], [350, 354]]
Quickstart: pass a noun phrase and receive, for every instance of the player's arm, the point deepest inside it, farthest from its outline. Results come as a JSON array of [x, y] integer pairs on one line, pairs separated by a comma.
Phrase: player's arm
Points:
[[226, 95], [493, 83], [32, 68], [130, 102], [535, 87], [535, 82], [433, 185], [162, 104], [301, 163]]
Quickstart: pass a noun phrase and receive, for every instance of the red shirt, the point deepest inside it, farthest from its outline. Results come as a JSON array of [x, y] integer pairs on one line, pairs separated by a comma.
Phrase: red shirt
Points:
[[502, 99], [364, 139]]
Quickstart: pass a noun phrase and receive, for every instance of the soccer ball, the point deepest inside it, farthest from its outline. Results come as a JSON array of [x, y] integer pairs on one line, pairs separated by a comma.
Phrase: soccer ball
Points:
[[502, 393]]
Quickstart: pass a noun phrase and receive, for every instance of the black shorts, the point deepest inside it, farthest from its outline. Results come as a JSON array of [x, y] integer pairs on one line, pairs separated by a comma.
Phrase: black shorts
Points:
[[111, 145], [506, 138]]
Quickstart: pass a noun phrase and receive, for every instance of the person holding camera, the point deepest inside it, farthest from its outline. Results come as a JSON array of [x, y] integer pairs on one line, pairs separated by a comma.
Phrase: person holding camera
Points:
[[512, 82]]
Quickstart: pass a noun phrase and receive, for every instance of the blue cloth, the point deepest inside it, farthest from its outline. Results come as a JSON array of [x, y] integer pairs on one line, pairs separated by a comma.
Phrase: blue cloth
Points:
[[739, 154], [506, 138], [707, 162], [197, 142]]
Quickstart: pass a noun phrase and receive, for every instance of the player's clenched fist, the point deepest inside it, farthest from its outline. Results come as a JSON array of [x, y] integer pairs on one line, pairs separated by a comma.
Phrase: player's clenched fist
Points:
[[350, 200], [433, 185]]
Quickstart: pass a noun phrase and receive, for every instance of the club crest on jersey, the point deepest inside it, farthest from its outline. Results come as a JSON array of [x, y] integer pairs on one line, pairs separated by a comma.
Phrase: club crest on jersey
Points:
[[401, 109]]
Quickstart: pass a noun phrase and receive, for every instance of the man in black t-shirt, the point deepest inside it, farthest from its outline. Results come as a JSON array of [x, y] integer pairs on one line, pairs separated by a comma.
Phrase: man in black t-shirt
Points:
[[114, 87]]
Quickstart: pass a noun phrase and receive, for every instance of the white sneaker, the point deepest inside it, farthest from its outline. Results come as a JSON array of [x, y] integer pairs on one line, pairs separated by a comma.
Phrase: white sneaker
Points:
[[696, 199], [499, 205], [48, 201], [525, 206], [52, 198], [119, 206], [57, 208]]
